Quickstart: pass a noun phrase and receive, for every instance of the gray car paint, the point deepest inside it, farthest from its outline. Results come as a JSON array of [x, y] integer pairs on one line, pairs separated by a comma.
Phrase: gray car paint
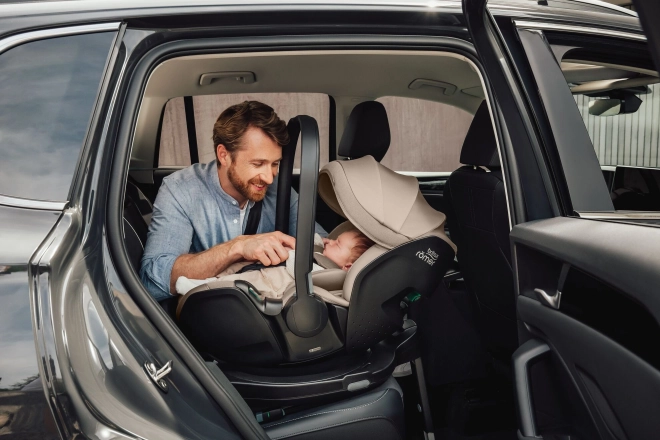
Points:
[[97, 338], [24, 410]]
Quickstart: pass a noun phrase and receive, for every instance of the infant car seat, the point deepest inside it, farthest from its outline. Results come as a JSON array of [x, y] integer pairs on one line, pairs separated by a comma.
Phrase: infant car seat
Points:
[[230, 322]]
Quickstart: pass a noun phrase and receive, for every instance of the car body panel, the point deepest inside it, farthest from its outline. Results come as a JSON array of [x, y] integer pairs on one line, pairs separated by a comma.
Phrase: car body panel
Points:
[[23, 16], [22, 399], [93, 338]]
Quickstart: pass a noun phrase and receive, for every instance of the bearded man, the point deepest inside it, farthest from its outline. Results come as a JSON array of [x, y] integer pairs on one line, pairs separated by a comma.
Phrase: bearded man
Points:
[[200, 212]]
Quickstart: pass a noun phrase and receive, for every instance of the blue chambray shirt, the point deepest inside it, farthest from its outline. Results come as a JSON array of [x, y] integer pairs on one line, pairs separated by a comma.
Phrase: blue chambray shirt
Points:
[[193, 213]]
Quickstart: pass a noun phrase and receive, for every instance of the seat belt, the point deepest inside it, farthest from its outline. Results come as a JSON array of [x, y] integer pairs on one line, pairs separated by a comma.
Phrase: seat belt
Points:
[[254, 217]]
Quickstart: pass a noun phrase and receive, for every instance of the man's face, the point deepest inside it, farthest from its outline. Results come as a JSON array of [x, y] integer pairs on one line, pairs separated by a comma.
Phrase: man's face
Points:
[[254, 166]]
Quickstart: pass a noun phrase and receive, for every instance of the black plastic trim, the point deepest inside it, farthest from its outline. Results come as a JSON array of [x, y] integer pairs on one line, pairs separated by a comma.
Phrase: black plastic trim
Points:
[[527, 353], [285, 179], [584, 177], [189, 107], [613, 313], [332, 135], [648, 10], [305, 384], [522, 153], [267, 306], [158, 136]]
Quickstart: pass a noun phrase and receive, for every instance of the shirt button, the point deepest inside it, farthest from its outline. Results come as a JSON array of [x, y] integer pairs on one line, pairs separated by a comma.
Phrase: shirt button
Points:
[[233, 202], [235, 221]]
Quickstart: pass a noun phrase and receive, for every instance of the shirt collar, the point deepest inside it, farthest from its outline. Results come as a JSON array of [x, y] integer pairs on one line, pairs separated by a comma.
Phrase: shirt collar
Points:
[[214, 180]]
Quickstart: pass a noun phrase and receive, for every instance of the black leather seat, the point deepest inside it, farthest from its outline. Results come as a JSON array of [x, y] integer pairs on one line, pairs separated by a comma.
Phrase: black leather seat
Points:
[[137, 216], [367, 132], [376, 414], [478, 222]]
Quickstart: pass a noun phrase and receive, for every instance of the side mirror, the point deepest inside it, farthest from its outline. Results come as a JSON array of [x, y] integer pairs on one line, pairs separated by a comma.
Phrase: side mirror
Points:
[[610, 107]]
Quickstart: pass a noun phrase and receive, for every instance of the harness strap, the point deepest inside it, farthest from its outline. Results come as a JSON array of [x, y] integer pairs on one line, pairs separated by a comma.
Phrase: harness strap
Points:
[[254, 217]]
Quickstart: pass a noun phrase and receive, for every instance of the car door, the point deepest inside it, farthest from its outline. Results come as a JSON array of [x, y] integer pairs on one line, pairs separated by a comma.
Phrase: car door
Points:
[[585, 275]]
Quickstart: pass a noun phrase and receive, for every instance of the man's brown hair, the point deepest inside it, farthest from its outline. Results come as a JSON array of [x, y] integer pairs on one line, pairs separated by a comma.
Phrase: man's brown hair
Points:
[[235, 120], [362, 243]]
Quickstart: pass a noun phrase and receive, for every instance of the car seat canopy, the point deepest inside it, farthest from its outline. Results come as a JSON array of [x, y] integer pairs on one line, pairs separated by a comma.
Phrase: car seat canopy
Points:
[[386, 206]]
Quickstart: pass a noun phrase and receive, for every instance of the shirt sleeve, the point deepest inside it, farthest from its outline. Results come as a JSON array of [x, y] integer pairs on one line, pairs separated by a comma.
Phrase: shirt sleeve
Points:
[[170, 235], [293, 217]]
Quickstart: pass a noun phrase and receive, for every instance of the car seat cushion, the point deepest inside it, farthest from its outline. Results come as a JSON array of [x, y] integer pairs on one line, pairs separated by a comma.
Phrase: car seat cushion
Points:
[[374, 414], [329, 279]]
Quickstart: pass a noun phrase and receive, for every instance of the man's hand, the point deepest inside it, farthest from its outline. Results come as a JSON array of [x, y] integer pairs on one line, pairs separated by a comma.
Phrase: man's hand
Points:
[[269, 249]]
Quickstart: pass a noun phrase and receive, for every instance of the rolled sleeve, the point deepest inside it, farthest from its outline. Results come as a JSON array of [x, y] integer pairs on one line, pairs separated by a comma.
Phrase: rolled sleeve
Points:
[[170, 236], [155, 275]]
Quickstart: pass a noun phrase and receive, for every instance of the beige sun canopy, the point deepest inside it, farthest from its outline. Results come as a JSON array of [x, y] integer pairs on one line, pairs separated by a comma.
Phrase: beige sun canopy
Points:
[[386, 206]]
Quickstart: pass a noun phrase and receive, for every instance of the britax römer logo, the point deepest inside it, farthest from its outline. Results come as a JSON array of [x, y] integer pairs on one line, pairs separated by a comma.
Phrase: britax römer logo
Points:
[[429, 257]]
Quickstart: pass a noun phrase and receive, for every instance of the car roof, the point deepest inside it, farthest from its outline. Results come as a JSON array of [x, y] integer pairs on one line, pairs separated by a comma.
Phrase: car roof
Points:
[[35, 15]]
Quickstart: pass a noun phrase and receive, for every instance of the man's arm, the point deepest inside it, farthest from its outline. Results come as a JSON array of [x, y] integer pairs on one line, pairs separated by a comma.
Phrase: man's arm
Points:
[[166, 255], [170, 235], [268, 249]]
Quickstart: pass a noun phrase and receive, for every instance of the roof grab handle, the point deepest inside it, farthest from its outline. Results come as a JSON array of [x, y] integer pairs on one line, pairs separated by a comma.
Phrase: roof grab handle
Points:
[[449, 89], [244, 77]]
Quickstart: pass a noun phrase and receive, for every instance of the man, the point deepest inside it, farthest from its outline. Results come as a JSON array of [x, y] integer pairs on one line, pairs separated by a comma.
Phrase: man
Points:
[[200, 212]]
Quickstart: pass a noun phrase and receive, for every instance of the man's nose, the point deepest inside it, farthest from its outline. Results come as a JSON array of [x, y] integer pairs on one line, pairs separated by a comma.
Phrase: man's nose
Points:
[[268, 177]]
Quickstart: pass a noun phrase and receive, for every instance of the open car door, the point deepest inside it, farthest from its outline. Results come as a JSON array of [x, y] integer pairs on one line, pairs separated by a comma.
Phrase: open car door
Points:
[[586, 276]]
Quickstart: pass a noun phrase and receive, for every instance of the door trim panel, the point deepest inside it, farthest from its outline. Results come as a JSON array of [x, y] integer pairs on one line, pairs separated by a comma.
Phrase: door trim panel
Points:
[[629, 386], [621, 255]]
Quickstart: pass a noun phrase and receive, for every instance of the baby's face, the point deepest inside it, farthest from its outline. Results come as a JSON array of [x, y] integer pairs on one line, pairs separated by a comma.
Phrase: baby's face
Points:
[[339, 250]]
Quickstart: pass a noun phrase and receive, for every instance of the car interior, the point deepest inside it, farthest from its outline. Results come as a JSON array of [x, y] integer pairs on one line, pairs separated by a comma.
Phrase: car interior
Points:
[[609, 93], [449, 329]]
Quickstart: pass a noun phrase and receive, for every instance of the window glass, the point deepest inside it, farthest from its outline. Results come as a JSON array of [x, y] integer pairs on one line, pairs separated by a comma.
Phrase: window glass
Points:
[[629, 139], [174, 150], [47, 91], [620, 108], [432, 130]]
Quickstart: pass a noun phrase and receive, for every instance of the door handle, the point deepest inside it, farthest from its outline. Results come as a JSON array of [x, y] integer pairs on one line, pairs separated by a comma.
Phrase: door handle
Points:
[[551, 301]]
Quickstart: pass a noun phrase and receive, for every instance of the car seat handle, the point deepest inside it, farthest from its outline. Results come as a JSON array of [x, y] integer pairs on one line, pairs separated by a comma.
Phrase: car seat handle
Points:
[[306, 315]]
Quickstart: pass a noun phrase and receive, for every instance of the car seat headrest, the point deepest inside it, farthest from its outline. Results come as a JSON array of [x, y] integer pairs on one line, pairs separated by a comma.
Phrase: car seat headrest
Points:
[[367, 132], [386, 206], [480, 146]]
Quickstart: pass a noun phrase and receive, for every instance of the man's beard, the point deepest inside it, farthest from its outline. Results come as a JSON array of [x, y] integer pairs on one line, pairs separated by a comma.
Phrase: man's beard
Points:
[[245, 188]]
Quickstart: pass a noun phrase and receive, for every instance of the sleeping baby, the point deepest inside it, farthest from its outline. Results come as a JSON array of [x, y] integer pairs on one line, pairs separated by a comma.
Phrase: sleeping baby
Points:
[[272, 281]]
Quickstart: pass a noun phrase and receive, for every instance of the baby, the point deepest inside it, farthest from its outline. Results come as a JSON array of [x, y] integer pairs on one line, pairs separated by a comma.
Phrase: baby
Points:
[[272, 281]]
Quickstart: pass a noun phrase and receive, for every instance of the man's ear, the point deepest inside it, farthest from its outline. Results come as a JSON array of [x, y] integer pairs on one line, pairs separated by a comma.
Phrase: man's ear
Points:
[[222, 155], [347, 266]]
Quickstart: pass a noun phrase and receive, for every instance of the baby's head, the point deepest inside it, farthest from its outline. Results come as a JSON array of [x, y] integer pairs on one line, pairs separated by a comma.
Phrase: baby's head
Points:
[[346, 248]]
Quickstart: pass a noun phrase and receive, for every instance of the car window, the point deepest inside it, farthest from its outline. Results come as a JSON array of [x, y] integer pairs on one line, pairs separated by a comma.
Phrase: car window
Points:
[[47, 92], [631, 139], [174, 146], [434, 131], [622, 117]]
